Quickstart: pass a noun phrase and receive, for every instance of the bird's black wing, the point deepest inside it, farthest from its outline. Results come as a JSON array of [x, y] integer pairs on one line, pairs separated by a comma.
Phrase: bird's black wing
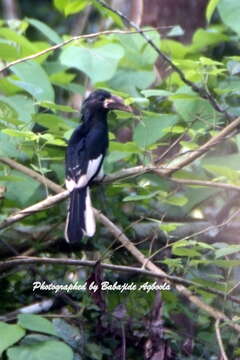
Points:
[[84, 156]]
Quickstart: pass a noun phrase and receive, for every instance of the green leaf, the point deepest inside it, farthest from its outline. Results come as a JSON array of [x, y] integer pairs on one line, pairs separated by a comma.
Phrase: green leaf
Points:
[[60, 5], [36, 323], [174, 48], [129, 81], [50, 121], [150, 129], [25, 47], [11, 146], [69, 333], [75, 6], [156, 92], [47, 350], [62, 77], [125, 147], [45, 30], [203, 38], [211, 8], [228, 250], [169, 227], [27, 135], [225, 172], [233, 67], [177, 200], [37, 84], [232, 161], [108, 14], [181, 251], [56, 107], [69, 7], [8, 50], [117, 155], [221, 263], [229, 11], [139, 54], [141, 197], [10, 334], [99, 63], [7, 113], [24, 192], [22, 105], [190, 107]]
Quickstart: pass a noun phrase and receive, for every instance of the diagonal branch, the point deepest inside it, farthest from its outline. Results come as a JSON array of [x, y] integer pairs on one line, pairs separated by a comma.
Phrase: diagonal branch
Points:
[[220, 342], [66, 42], [214, 140], [203, 93], [123, 239]]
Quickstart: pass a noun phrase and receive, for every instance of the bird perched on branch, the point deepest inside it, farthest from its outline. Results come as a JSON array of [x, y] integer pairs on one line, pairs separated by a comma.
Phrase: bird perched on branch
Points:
[[84, 157]]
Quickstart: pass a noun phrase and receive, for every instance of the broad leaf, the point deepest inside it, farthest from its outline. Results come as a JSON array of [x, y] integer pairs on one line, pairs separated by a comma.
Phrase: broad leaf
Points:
[[150, 129], [47, 350], [10, 334], [45, 30], [211, 8], [99, 63], [36, 323], [229, 11], [34, 80]]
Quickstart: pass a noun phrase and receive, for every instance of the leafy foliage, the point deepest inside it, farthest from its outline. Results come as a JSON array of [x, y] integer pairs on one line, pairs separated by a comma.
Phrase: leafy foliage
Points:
[[190, 230]]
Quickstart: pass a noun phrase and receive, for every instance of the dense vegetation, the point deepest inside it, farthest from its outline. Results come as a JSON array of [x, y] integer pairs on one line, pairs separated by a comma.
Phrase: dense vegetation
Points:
[[177, 205]]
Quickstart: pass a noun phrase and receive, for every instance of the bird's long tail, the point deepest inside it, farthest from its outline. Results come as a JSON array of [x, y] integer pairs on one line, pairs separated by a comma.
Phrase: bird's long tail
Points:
[[80, 218]]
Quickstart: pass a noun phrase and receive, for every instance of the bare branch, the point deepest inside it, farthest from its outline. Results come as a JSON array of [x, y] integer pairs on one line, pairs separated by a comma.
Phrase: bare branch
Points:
[[202, 149], [25, 261], [35, 308], [219, 340], [204, 93], [33, 174], [66, 42], [42, 205]]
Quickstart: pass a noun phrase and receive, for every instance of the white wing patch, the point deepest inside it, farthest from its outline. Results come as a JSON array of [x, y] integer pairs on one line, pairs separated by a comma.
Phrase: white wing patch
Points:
[[93, 166], [82, 181], [90, 225]]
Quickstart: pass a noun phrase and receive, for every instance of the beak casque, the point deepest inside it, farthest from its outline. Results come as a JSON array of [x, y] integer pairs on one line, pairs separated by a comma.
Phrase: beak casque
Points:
[[116, 103]]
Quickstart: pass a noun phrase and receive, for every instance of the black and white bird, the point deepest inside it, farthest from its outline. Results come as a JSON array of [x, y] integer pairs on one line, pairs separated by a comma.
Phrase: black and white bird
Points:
[[86, 150]]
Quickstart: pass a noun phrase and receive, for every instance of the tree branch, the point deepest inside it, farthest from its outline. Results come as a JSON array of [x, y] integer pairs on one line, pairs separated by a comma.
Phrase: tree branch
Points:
[[66, 42], [202, 149], [33, 174], [219, 340], [123, 239], [202, 92], [19, 261]]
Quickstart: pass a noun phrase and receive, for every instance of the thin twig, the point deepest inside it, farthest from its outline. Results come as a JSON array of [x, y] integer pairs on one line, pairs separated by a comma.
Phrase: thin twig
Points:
[[13, 263], [204, 148], [219, 340], [66, 42], [203, 93]]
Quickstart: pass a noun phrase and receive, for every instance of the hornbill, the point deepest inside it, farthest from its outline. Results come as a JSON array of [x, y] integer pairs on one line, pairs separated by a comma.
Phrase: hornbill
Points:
[[84, 157]]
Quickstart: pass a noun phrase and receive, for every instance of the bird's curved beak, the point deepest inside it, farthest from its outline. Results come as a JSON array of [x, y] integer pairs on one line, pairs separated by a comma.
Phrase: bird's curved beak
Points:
[[116, 103]]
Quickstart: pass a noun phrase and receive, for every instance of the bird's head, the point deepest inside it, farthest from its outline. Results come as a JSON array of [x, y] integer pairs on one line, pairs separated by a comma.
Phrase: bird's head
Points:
[[105, 101]]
